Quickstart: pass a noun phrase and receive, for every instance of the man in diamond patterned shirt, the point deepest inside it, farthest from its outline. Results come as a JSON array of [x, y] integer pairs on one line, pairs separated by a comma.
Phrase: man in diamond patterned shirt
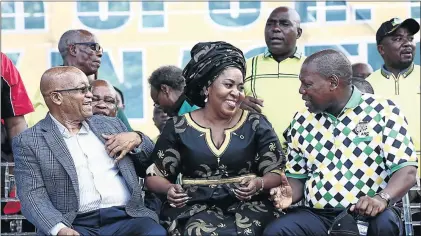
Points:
[[348, 149]]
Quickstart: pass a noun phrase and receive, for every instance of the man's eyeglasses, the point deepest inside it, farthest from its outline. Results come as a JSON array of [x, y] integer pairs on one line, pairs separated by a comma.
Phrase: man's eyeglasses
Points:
[[94, 46], [83, 90], [108, 101], [156, 104]]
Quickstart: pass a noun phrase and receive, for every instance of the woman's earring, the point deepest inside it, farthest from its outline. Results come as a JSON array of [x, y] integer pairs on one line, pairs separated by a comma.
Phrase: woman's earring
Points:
[[206, 96]]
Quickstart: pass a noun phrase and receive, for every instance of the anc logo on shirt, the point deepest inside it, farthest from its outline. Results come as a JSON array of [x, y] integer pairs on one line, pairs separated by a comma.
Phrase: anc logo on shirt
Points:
[[362, 128]]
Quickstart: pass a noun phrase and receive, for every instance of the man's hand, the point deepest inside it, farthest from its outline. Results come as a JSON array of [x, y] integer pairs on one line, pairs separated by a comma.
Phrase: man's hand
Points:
[[67, 231], [122, 142], [282, 195], [252, 104], [369, 206]]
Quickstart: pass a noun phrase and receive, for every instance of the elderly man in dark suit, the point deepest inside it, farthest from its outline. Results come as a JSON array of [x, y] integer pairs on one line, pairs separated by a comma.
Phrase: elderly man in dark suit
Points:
[[67, 181]]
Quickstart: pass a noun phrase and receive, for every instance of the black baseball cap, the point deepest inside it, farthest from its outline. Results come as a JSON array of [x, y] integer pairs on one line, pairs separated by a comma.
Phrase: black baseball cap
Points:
[[390, 26]]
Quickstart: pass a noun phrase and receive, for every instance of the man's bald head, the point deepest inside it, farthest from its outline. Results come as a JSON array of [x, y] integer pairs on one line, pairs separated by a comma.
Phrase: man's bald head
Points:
[[361, 70], [292, 13], [103, 83], [60, 77]]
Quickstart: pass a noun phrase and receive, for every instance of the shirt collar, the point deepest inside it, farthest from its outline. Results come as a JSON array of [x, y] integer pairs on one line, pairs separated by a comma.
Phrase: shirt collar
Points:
[[404, 73], [297, 54], [65, 132], [355, 99], [352, 103]]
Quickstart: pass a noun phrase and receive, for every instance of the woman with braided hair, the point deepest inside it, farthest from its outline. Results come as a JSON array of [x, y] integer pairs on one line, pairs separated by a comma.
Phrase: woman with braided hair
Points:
[[228, 158]]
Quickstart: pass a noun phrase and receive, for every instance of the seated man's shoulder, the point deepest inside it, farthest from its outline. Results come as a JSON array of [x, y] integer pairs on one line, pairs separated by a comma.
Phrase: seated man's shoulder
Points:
[[302, 115], [377, 101], [113, 124], [29, 134], [102, 118], [33, 131]]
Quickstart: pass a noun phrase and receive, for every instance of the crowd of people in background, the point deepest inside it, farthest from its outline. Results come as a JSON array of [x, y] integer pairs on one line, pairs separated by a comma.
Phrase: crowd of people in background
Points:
[[278, 144]]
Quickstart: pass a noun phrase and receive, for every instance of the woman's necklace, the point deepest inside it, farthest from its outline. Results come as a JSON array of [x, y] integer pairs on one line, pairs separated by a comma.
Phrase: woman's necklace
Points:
[[209, 123]]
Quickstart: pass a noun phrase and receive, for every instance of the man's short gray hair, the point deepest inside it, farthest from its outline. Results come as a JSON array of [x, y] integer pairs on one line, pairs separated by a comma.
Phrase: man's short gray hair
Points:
[[69, 37], [331, 62]]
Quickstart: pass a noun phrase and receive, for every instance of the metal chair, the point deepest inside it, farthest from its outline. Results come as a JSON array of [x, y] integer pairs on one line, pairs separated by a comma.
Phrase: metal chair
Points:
[[15, 220], [411, 208]]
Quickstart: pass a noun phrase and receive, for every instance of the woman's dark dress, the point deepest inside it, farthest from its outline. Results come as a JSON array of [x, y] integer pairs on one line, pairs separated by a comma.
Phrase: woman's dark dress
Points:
[[251, 147]]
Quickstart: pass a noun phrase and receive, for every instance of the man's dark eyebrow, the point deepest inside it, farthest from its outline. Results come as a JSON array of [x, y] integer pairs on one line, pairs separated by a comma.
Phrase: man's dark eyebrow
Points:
[[401, 34], [397, 34], [280, 20]]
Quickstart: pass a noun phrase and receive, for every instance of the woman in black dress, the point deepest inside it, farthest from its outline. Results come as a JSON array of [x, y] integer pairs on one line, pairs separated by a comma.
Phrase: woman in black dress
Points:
[[228, 158]]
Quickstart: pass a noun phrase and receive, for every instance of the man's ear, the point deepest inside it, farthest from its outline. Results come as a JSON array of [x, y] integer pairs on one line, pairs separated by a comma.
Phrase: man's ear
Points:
[[165, 89], [334, 82], [299, 32], [56, 98], [72, 49], [380, 49]]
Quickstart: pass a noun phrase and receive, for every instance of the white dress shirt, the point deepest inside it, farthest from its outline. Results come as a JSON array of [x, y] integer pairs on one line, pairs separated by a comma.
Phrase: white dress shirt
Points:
[[100, 185]]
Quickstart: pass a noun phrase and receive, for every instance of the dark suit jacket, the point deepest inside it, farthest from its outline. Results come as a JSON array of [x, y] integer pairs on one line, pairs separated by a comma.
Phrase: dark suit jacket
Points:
[[46, 178]]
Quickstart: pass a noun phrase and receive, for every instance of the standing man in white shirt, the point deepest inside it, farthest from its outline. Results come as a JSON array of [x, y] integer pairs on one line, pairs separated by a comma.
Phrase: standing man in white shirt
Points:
[[67, 181]]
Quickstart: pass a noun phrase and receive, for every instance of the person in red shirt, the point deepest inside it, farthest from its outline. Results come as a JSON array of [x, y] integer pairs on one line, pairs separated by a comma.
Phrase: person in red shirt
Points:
[[15, 104]]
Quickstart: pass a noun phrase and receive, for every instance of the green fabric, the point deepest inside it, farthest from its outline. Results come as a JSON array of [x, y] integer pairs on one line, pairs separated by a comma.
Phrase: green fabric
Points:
[[123, 118], [186, 108]]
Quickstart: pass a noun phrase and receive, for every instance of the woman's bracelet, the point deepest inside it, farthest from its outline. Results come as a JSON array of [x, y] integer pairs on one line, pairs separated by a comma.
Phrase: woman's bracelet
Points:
[[262, 185]]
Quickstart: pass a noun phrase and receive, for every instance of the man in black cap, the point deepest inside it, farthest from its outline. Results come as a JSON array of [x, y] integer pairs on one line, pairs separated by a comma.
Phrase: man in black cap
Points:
[[399, 78]]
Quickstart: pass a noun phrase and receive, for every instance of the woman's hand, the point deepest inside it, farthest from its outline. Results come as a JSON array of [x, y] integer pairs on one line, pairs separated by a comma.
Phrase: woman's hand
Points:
[[176, 196], [248, 188]]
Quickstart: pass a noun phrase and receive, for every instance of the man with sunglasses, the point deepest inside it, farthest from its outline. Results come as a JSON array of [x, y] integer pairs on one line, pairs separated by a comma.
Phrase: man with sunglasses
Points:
[[78, 48], [67, 180]]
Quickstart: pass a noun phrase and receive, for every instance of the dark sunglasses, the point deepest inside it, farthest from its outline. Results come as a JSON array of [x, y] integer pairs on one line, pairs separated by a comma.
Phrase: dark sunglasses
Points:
[[84, 90], [94, 46]]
